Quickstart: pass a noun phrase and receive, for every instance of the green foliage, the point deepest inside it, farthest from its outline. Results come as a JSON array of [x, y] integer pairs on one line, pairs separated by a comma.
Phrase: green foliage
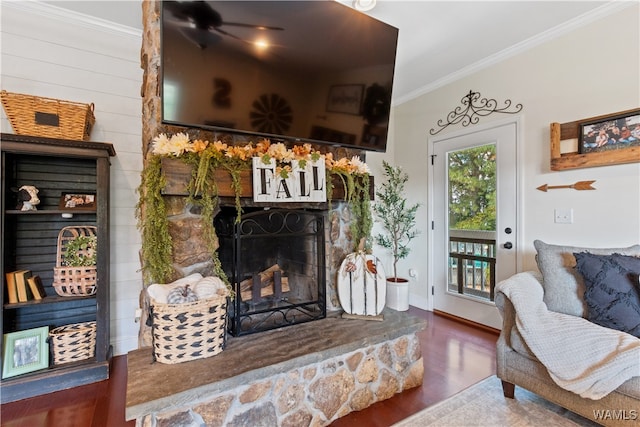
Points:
[[81, 251], [472, 189], [356, 190], [152, 217], [397, 218], [209, 203], [152, 221], [360, 206]]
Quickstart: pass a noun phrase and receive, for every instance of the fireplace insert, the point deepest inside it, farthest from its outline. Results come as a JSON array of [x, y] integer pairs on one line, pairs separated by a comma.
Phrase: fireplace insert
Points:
[[275, 259]]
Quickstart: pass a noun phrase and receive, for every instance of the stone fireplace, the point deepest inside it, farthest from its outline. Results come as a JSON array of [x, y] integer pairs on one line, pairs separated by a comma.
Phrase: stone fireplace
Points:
[[284, 261], [305, 271]]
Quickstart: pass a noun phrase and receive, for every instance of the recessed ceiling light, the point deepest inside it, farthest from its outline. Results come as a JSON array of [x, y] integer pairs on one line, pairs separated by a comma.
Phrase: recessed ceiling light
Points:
[[364, 5]]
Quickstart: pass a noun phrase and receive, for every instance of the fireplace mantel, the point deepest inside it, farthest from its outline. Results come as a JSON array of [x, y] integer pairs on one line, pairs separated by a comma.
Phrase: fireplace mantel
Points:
[[178, 174]]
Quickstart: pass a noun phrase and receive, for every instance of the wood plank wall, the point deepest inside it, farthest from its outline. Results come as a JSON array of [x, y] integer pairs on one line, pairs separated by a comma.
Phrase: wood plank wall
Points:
[[52, 53]]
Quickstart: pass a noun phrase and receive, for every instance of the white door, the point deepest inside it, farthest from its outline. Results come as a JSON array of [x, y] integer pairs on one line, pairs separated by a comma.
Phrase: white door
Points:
[[474, 219]]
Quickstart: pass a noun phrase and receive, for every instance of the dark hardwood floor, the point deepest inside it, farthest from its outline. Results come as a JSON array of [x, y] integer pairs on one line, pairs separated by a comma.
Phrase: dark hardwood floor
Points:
[[456, 355]]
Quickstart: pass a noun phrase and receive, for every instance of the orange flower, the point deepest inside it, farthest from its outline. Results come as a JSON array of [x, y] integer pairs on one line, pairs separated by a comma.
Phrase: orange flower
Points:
[[199, 146], [262, 146], [301, 151], [219, 146]]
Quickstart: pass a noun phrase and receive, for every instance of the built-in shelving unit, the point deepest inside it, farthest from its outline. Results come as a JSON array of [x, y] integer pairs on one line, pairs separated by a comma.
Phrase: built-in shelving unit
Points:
[[29, 242]]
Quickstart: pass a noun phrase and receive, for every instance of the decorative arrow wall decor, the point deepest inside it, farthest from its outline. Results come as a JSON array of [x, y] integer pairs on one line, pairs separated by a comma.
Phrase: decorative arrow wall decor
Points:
[[580, 185]]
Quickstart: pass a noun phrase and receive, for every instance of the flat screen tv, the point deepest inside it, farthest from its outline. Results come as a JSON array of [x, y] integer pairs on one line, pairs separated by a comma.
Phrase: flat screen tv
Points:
[[310, 71]]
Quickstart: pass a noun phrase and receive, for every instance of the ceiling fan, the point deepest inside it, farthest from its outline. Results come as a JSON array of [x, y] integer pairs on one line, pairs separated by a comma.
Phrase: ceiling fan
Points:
[[199, 22]]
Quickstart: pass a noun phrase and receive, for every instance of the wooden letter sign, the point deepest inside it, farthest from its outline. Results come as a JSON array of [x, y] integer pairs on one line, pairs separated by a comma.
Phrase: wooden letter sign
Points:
[[304, 184]]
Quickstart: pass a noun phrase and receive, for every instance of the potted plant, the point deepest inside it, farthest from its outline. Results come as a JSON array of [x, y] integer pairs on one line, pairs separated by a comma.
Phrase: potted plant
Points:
[[398, 220]]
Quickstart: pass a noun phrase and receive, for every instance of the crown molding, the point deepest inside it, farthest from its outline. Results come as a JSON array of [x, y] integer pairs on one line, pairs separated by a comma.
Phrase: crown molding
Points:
[[67, 16], [553, 33]]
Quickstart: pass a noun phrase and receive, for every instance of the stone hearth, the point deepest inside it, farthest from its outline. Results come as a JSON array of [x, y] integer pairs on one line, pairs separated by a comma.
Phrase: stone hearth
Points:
[[304, 375]]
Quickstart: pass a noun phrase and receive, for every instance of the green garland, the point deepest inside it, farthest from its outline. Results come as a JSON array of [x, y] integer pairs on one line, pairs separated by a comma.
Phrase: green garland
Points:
[[151, 213], [151, 210], [209, 203], [360, 206], [356, 190]]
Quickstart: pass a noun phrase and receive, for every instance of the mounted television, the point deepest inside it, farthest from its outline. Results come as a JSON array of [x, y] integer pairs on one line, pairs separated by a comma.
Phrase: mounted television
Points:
[[310, 71]]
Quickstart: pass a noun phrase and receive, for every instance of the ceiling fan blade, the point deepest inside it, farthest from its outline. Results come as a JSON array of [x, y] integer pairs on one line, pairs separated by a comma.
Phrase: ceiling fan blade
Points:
[[226, 33], [257, 27]]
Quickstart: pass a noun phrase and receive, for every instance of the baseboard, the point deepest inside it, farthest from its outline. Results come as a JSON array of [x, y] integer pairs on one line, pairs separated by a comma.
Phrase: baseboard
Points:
[[467, 322]]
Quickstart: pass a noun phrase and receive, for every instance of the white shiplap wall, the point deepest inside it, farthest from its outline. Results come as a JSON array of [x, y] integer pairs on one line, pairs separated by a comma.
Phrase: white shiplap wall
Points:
[[48, 52]]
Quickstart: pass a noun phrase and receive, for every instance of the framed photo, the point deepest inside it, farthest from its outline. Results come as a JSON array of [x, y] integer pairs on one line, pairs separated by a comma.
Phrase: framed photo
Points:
[[77, 201], [345, 99], [25, 351], [613, 132]]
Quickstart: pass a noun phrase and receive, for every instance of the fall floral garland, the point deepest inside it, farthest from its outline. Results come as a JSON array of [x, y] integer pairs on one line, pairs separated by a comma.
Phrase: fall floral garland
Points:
[[180, 144], [207, 156]]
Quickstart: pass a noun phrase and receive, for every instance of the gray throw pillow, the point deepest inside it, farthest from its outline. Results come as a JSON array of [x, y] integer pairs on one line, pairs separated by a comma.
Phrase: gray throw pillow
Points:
[[563, 285], [612, 291]]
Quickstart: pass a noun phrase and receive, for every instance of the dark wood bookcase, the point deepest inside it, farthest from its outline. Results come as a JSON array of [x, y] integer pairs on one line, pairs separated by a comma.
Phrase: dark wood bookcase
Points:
[[29, 242]]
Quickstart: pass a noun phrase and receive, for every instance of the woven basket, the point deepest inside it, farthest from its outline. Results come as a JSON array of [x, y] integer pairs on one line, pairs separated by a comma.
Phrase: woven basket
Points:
[[188, 331], [72, 343], [73, 281], [48, 117]]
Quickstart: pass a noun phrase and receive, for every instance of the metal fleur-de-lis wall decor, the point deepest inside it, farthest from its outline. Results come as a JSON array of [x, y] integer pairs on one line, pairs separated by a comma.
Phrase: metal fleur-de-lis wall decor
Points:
[[473, 107]]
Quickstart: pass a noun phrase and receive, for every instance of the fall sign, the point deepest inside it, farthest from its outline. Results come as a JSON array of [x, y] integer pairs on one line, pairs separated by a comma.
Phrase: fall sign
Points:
[[299, 181]]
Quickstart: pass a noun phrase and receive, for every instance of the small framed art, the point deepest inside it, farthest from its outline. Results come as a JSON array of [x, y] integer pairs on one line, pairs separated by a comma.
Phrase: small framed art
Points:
[[25, 351], [77, 202]]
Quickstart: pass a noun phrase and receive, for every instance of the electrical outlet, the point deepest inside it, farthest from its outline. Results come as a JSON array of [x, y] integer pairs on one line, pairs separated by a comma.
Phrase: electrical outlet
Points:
[[413, 273], [563, 215]]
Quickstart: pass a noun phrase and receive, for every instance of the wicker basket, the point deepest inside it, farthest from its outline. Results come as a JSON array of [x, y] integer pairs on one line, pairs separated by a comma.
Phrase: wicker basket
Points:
[[188, 331], [73, 281], [48, 117], [72, 343]]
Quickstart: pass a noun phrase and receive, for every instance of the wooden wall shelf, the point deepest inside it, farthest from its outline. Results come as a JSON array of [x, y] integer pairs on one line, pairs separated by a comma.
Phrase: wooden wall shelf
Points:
[[574, 160]]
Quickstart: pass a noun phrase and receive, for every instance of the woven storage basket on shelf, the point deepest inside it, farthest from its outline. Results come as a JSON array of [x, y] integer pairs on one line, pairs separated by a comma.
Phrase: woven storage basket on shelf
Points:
[[74, 281], [48, 117], [72, 343], [188, 331]]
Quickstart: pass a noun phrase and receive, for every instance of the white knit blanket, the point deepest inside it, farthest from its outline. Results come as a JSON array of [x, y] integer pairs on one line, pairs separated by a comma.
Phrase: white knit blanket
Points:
[[580, 356]]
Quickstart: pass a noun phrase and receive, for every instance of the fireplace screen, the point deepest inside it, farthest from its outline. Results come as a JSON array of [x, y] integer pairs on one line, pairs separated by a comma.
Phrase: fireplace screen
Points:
[[275, 259]]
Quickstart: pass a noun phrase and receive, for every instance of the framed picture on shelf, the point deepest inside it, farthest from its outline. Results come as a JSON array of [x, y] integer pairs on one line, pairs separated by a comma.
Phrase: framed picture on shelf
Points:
[[614, 132], [345, 99], [77, 201], [25, 351]]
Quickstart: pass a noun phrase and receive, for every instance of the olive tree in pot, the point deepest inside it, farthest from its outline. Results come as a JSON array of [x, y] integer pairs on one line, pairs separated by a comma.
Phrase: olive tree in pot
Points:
[[398, 220]]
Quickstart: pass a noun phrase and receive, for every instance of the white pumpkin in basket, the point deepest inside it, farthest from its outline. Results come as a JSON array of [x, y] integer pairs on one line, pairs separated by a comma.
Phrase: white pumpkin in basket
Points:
[[210, 286], [181, 295], [160, 292]]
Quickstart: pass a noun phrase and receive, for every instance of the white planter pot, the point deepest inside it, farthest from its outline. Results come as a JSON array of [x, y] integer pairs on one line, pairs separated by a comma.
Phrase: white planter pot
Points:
[[398, 294]]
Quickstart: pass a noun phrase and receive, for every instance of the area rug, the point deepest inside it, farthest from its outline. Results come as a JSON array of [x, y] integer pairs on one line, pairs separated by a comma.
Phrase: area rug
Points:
[[483, 404]]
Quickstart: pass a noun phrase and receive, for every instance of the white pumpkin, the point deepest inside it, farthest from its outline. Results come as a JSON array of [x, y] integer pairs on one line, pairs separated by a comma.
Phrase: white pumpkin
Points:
[[160, 292], [181, 295], [210, 286]]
